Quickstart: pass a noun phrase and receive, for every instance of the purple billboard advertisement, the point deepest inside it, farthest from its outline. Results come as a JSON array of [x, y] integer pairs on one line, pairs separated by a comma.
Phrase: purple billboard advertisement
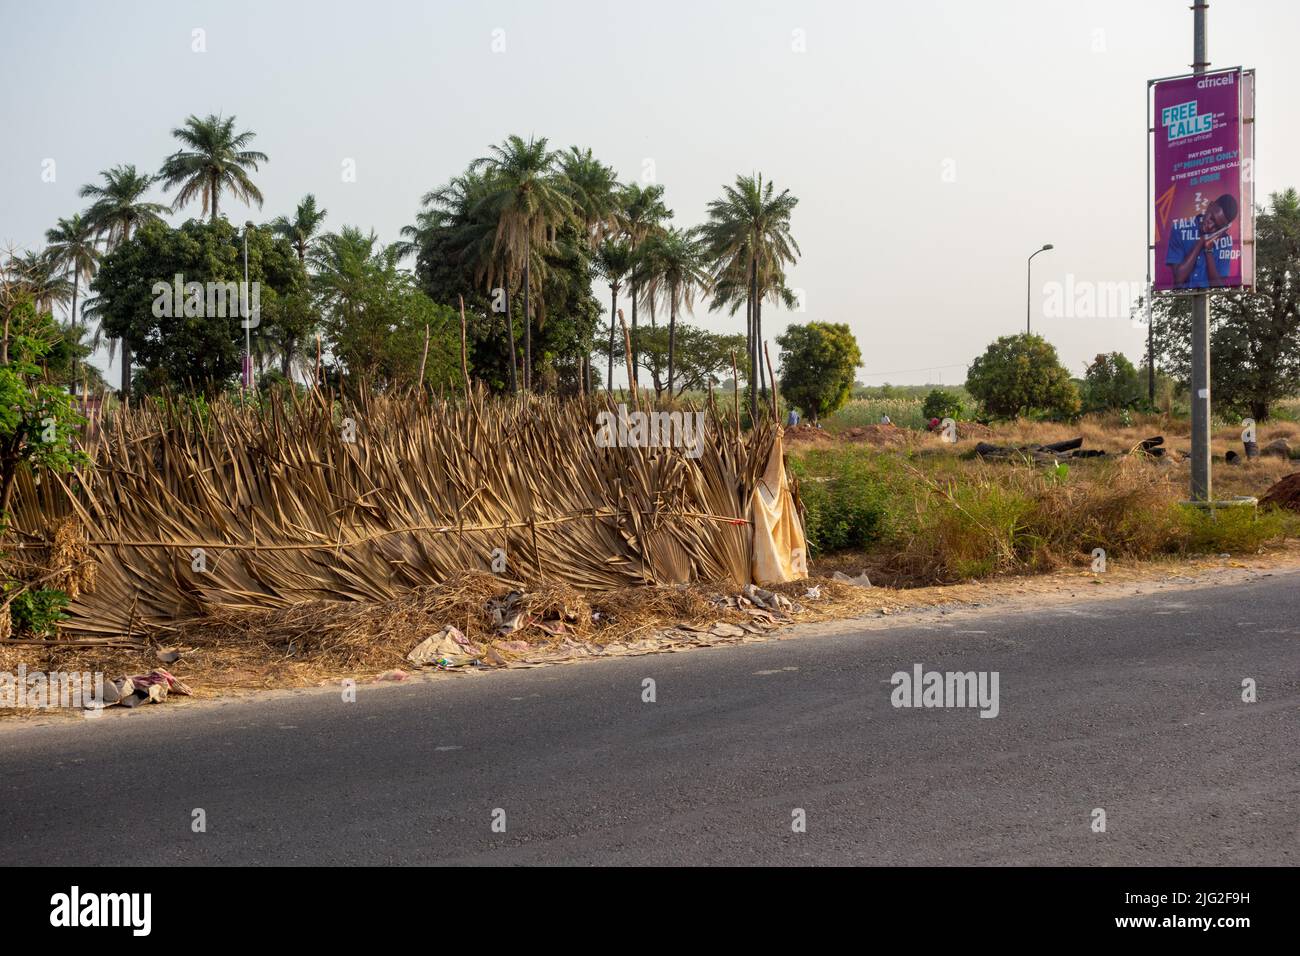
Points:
[[1203, 219]]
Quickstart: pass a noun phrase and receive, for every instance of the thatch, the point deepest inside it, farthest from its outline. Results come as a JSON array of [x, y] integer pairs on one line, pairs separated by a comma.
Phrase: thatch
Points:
[[287, 511]]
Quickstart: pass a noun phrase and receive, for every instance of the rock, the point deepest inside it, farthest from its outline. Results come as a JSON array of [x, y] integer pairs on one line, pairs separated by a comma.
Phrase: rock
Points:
[[1277, 448]]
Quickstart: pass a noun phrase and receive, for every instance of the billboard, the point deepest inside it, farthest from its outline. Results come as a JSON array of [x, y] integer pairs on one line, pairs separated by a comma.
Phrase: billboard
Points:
[[1203, 206]]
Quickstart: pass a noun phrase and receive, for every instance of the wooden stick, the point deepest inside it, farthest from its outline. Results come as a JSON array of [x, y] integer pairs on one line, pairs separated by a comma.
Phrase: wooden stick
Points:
[[424, 357], [627, 355], [771, 377], [464, 354]]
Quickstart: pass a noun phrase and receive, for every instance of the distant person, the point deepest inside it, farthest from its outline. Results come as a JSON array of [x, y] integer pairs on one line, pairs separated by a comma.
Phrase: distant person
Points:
[[1195, 254], [792, 419]]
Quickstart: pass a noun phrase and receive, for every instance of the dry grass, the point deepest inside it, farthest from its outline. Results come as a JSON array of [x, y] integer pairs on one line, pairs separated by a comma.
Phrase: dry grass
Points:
[[287, 511]]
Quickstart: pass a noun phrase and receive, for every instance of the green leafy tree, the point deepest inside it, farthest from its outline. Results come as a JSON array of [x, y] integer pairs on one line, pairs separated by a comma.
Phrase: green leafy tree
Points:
[[939, 403], [381, 342], [1254, 336], [117, 208], [1020, 375], [1111, 382], [37, 419], [818, 362], [214, 160], [703, 357], [199, 345]]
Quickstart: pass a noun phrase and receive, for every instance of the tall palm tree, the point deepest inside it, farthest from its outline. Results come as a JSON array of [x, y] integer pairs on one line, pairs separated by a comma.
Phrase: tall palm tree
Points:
[[526, 199], [643, 214], [594, 188], [302, 228], [613, 261], [676, 268], [748, 239], [118, 207], [73, 247], [459, 208], [214, 160]]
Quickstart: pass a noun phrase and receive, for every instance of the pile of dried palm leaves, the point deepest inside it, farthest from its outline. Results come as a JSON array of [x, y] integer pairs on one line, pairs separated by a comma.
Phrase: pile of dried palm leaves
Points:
[[194, 511]]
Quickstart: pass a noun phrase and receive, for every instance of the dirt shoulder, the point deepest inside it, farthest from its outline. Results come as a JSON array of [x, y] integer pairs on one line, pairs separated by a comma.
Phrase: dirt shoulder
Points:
[[819, 606]]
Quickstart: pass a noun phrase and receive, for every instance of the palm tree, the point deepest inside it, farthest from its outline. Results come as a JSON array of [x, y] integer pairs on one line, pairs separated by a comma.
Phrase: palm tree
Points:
[[73, 247], [613, 261], [748, 239], [593, 187], [39, 277], [118, 207], [642, 216], [458, 207], [527, 201], [676, 269], [301, 230], [215, 160]]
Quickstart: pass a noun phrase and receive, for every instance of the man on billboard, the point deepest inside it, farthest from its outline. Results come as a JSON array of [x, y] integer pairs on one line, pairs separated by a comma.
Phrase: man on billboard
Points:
[[1200, 249]]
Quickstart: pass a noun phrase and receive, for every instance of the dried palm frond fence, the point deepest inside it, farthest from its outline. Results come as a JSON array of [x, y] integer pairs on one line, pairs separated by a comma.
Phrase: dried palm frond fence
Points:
[[192, 510]]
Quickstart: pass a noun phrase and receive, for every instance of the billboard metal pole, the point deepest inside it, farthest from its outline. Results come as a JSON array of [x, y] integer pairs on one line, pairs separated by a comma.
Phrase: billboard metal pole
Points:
[[1201, 490]]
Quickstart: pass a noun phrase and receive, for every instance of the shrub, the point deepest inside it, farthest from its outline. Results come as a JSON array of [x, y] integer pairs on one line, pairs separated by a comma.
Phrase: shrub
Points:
[[1021, 375], [942, 404], [38, 612], [844, 504]]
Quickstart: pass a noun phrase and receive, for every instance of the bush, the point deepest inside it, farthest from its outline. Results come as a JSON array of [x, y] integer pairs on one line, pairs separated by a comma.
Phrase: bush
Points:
[[1020, 375], [942, 404], [844, 505], [38, 612], [817, 365], [1111, 382], [1235, 530]]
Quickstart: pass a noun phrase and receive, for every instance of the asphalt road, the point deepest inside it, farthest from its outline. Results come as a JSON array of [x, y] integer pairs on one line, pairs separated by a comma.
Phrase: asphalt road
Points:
[[1132, 706]]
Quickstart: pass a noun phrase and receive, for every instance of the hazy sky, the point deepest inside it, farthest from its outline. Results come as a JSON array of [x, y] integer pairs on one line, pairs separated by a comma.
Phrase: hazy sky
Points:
[[933, 144]]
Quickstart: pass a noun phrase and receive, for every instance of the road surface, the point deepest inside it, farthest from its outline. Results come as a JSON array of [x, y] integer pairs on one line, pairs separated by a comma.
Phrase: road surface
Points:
[[1132, 706]]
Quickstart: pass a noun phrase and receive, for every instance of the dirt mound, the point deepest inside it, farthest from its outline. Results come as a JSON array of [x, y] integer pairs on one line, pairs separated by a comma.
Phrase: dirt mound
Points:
[[1284, 494], [807, 435], [973, 430], [876, 434]]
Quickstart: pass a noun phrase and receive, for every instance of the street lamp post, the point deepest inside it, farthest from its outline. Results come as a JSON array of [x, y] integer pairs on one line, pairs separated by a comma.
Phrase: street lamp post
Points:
[[248, 335], [1029, 285]]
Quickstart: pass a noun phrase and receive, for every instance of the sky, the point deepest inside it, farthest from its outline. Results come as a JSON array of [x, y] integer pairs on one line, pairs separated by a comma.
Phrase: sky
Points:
[[932, 144]]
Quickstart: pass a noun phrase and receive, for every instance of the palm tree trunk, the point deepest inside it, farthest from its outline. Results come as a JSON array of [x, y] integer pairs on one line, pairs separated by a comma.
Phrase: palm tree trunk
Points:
[[613, 314], [758, 345], [126, 348], [528, 323], [753, 342], [636, 378], [76, 339], [510, 329], [672, 337]]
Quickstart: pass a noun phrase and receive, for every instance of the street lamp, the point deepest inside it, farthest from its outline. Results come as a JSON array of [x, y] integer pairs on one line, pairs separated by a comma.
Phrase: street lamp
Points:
[[248, 334], [1029, 283]]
